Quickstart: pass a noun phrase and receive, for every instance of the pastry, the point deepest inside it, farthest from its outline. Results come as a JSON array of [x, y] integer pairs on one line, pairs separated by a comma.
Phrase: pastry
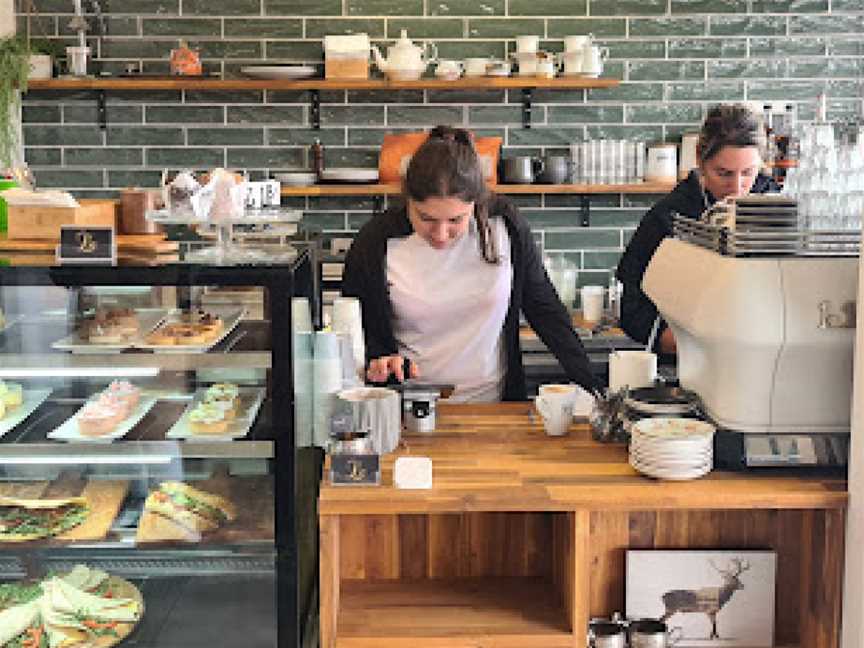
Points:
[[13, 395], [96, 420], [206, 419], [126, 392]]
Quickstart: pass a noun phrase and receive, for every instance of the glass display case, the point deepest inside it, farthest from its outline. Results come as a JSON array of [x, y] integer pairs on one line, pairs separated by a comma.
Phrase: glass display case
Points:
[[151, 490]]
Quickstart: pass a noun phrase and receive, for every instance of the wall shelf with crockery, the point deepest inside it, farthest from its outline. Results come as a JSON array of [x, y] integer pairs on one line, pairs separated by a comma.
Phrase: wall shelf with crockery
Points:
[[394, 189], [526, 84], [179, 83]]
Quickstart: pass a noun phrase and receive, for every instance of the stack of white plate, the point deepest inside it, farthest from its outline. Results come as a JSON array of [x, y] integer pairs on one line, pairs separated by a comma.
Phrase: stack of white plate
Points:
[[672, 447]]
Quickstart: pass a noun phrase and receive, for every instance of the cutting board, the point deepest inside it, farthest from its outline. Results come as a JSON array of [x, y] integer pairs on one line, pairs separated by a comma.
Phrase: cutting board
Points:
[[104, 497], [151, 244], [252, 498]]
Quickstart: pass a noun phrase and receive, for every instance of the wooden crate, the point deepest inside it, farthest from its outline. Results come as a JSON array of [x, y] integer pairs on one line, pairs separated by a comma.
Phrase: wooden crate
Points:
[[39, 222]]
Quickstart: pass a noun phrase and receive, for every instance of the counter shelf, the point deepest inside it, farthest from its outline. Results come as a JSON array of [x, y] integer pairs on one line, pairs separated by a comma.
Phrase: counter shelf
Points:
[[522, 538]]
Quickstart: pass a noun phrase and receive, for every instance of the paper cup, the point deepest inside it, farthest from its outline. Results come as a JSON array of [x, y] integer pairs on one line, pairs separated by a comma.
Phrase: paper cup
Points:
[[592, 303]]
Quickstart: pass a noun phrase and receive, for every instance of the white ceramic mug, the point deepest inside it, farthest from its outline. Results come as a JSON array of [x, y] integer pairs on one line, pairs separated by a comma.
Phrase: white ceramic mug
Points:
[[572, 62], [576, 43], [448, 69], [592, 60], [546, 67], [527, 44], [632, 369], [476, 67], [527, 63], [592, 303], [555, 404]]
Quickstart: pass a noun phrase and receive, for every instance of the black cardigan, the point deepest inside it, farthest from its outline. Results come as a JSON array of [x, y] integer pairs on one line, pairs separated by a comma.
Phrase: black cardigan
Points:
[[532, 293], [638, 312]]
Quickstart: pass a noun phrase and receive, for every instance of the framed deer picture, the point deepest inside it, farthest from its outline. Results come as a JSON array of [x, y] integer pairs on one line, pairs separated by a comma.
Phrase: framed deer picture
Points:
[[717, 598]]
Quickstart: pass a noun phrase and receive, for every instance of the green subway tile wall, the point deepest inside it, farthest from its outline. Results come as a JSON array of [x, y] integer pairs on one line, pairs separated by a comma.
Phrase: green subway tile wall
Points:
[[674, 57]]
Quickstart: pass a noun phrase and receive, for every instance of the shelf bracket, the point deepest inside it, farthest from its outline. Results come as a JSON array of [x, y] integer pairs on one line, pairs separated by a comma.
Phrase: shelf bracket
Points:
[[315, 109], [101, 110], [585, 210], [526, 107]]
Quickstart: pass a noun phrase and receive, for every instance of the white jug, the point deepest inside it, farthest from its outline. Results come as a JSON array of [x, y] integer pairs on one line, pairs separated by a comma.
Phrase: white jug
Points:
[[592, 60]]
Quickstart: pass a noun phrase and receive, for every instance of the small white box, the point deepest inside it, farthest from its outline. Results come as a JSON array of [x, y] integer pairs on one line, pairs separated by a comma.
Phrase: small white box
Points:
[[412, 472]]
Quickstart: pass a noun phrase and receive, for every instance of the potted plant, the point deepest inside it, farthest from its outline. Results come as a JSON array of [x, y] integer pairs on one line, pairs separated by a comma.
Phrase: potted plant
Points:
[[43, 53], [14, 70]]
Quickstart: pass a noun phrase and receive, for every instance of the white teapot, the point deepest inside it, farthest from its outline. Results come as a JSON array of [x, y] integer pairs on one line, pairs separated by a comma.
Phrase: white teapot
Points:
[[405, 60]]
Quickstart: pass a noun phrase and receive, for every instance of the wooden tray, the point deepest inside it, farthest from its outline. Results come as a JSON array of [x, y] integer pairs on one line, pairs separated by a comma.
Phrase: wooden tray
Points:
[[104, 497], [253, 499]]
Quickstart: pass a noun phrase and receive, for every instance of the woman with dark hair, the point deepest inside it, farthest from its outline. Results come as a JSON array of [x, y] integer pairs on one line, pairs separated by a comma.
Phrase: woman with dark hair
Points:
[[442, 279], [729, 155]]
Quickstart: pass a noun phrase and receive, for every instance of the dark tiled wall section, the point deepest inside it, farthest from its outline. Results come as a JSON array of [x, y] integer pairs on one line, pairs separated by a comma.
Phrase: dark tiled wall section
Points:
[[675, 57]]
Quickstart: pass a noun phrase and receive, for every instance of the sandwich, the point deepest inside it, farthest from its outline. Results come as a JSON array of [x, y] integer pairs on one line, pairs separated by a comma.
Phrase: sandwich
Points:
[[30, 519], [193, 510]]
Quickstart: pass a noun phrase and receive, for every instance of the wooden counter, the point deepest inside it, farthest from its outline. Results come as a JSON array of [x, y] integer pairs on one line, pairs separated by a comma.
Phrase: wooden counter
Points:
[[523, 538]]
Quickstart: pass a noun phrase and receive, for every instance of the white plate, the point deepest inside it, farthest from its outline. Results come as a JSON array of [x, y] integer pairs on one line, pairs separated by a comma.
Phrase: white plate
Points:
[[662, 427], [297, 178], [674, 475], [663, 464], [148, 319], [650, 454], [238, 427], [350, 175], [69, 430], [279, 71], [32, 398], [230, 318]]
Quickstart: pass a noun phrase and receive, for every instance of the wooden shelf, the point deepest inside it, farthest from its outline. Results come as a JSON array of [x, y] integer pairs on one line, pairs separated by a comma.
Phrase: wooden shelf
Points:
[[392, 189], [216, 84], [494, 613]]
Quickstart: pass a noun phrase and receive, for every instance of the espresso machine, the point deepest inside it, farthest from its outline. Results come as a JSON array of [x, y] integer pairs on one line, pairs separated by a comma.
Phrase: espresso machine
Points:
[[765, 335]]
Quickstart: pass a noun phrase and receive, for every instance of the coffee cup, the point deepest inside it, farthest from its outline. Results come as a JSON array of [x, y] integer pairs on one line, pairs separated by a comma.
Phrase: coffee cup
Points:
[[592, 303], [527, 62], [653, 633], [476, 67], [555, 404], [576, 43], [631, 369], [448, 69], [547, 67], [592, 60], [527, 44], [571, 62]]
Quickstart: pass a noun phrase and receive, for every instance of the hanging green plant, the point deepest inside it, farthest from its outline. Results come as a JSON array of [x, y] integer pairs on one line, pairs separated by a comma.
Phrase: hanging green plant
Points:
[[14, 68]]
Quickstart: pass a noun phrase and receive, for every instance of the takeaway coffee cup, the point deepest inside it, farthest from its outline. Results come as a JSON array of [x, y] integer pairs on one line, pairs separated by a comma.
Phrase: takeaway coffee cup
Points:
[[631, 369], [592, 303], [555, 404]]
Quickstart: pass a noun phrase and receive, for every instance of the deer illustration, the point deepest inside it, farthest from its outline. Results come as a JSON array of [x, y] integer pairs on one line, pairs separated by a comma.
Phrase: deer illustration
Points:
[[707, 600]]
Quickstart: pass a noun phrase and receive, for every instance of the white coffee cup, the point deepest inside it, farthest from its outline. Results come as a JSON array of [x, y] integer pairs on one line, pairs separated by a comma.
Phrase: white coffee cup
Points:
[[546, 68], [572, 62], [592, 60], [632, 369], [555, 404], [476, 67], [527, 44], [592, 303], [576, 43], [448, 69], [527, 62]]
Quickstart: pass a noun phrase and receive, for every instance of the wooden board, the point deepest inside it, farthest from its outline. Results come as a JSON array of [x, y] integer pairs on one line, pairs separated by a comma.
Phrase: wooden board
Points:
[[497, 457], [104, 497], [181, 83], [354, 189], [150, 244], [253, 499]]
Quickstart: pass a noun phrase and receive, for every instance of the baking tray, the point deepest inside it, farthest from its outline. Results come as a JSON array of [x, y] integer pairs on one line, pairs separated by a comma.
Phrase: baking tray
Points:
[[32, 398], [148, 320], [250, 402], [68, 431], [230, 319]]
